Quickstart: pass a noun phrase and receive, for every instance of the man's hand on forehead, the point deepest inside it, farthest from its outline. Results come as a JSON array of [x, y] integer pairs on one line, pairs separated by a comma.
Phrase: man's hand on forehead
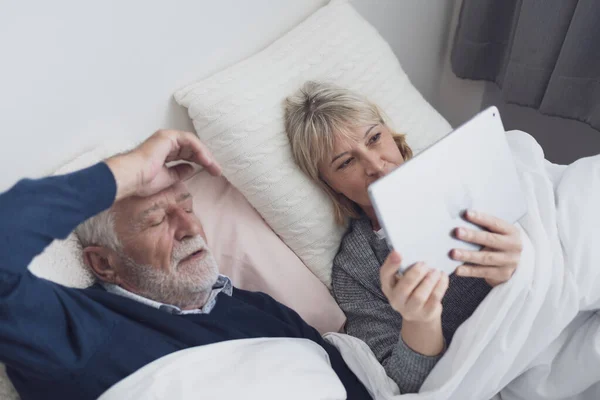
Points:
[[143, 170]]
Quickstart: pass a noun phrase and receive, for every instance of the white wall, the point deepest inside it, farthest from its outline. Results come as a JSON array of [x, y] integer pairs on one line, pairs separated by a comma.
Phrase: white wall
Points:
[[458, 99], [74, 73], [421, 33]]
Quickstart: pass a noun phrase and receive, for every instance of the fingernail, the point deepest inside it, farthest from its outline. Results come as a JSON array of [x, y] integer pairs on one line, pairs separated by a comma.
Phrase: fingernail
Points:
[[461, 271], [471, 214], [460, 232], [457, 253], [395, 257]]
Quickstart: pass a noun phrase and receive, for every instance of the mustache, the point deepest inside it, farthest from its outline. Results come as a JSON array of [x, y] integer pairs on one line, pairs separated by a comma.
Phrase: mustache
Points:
[[183, 249]]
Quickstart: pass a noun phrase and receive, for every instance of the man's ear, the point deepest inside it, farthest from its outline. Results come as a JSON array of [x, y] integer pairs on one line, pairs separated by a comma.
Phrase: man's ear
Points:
[[100, 260]]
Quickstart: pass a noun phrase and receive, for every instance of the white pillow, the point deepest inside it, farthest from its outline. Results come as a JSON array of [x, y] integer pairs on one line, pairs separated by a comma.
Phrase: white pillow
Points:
[[238, 113], [7, 390]]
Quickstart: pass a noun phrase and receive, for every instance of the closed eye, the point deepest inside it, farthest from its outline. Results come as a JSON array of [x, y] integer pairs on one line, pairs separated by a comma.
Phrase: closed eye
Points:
[[375, 138], [345, 163], [159, 222]]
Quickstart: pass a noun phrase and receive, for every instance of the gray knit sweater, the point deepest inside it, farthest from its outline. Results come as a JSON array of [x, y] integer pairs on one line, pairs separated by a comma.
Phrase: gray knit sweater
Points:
[[357, 289]]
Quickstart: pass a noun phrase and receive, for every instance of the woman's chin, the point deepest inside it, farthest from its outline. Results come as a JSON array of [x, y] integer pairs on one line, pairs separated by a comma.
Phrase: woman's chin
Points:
[[364, 201]]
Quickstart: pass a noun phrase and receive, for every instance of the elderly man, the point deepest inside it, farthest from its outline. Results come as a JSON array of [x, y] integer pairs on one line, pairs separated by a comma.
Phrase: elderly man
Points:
[[159, 287]]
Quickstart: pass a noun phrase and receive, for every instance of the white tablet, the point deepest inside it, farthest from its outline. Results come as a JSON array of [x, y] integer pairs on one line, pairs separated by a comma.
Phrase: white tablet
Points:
[[421, 202]]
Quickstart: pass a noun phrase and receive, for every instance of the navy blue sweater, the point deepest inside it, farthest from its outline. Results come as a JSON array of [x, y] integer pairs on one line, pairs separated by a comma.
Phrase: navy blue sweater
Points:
[[65, 343]]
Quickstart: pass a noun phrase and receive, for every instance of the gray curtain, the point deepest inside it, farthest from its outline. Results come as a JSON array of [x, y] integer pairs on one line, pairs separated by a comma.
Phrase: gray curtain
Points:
[[543, 54]]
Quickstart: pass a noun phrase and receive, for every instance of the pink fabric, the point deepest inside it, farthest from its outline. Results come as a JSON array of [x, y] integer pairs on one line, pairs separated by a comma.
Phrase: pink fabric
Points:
[[255, 258]]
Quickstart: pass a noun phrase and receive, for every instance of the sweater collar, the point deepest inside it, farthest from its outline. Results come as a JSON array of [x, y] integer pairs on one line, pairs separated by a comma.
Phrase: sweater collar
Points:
[[223, 284]]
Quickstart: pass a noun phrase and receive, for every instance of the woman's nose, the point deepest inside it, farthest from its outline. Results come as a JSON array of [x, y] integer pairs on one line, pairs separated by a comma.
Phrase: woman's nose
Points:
[[374, 166]]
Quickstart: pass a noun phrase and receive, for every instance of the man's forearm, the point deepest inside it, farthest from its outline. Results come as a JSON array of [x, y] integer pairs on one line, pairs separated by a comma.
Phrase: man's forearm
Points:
[[35, 212], [126, 171]]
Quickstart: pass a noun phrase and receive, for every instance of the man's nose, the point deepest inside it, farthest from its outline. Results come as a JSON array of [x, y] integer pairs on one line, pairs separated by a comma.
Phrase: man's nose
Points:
[[187, 225]]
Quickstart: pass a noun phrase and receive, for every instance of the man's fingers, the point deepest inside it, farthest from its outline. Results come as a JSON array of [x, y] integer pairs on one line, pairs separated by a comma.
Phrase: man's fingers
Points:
[[214, 169], [188, 147], [144, 172], [199, 153], [181, 172], [170, 176]]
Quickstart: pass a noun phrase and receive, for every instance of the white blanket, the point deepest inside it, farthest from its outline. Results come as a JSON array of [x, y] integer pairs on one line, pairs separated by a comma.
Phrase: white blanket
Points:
[[266, 369], [518, 325], [535, 337]]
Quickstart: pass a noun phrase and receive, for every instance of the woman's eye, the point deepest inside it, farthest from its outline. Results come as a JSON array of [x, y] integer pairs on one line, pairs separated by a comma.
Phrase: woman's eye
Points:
[[346, 163], [375, 138], [189, 211]]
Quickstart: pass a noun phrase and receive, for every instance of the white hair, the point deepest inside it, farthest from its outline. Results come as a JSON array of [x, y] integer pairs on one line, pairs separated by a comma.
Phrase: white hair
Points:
[[99, 231]]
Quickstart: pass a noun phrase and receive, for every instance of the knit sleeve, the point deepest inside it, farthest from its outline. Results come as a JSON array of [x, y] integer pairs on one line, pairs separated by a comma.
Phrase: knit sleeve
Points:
[[35, 212], [43, 327], [371, 319]]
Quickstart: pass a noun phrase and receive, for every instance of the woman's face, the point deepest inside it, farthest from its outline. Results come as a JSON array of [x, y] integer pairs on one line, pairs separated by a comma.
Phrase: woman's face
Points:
[[367, 154]]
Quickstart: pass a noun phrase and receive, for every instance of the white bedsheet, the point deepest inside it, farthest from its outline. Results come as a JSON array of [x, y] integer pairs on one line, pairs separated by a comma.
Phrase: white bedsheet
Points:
[[535, 337]]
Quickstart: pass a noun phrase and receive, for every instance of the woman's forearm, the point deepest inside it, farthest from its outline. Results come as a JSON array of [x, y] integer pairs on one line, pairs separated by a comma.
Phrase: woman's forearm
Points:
[[418, 350], [424, 337]]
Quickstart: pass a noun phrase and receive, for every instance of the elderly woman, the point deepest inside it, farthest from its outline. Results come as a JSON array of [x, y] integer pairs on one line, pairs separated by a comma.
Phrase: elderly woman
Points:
[[343, 143]]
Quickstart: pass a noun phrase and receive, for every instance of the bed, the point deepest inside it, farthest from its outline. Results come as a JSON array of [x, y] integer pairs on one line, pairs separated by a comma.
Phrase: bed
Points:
[[526, 330]]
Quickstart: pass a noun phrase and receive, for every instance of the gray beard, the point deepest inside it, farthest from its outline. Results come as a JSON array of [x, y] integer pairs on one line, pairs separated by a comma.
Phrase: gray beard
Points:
[[182, 288]]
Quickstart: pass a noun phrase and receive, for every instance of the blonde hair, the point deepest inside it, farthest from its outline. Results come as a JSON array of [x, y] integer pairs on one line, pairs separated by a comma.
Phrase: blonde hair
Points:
[[314, 116]]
